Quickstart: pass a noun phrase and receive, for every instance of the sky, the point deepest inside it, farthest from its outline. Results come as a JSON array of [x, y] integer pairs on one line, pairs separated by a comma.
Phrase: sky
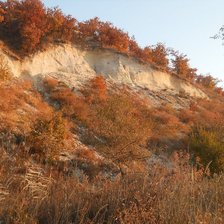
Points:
[[185, 25]]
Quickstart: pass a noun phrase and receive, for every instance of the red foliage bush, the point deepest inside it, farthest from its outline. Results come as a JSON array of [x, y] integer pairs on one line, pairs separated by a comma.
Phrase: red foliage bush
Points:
[[187, 116], [95, 90], [134, 49], [89, 28], [113, 37], [71, 105], [108, 35], [2, 13], [27, 24]]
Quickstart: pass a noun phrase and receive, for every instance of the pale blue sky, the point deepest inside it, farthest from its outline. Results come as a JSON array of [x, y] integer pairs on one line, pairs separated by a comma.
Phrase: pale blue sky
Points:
[[185, 25]]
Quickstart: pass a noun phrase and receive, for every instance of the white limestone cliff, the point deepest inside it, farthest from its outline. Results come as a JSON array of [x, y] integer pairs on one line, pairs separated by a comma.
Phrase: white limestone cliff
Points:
[[75, 66]]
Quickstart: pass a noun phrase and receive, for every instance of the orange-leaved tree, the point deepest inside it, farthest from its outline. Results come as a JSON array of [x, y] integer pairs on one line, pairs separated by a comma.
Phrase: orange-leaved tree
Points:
[[112, 37], [27, 25], [2, 13], [89, 29], [160, 56], [59, 26], [207, 81], [181, 66], [24, 23], [134, 49]]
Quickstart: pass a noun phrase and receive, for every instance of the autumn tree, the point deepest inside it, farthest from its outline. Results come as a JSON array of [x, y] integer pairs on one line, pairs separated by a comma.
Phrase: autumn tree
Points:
[[24, 23], [207, 81], [133, 47], [220, 34], [181, 66], [111, 36], [219, 91], [104, 33], [59, 26], [28, 25], [33, 16], [89, 29], [9, 27], [160, 56], [147, 54]]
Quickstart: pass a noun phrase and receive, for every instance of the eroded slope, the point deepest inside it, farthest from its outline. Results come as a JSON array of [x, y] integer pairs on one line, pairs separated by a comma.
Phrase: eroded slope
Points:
[[75, 66]]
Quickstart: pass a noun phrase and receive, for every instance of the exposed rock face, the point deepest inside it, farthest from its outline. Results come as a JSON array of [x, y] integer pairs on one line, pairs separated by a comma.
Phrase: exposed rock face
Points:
[[123, 69], [75, 66]]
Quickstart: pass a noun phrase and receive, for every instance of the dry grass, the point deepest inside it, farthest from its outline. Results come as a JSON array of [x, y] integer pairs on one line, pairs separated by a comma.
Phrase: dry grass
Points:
[[20, 106], [178, 195], [5, 74]]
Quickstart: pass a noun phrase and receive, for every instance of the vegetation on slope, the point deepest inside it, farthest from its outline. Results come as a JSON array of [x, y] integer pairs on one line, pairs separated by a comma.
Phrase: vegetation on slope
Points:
[[117, 123], [122, 127], [36, 187]]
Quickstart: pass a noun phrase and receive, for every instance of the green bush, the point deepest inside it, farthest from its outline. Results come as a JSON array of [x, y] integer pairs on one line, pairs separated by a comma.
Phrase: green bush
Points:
[[209, 146]]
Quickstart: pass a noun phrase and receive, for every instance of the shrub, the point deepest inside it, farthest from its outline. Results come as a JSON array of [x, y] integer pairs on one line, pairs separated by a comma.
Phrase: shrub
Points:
[[186, 116], [209, 146], [46, 140], [71, 105], [20, 106], [50, 84], [5, 74], [95, 90], [120, 127]]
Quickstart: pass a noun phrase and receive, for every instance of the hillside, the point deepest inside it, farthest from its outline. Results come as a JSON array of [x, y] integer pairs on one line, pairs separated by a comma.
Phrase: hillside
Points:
[[95, 129], [130, 123]]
